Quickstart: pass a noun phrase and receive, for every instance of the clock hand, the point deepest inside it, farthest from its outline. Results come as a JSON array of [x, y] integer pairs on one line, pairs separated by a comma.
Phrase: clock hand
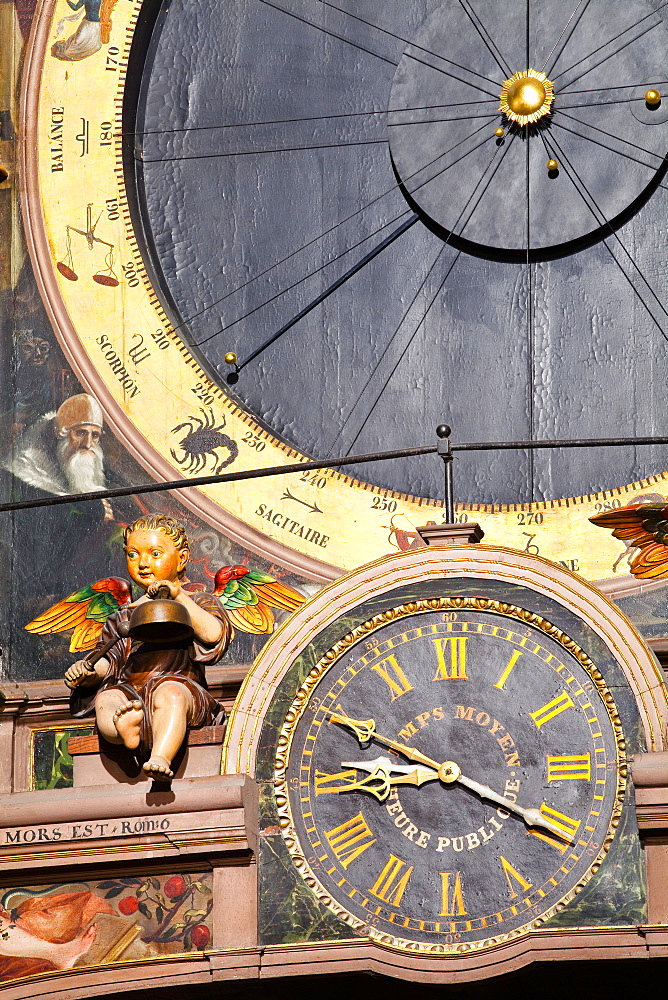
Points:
[[391, 767], [365, 731], [447, 772], [382, 774], [532, 817], [382, 770]]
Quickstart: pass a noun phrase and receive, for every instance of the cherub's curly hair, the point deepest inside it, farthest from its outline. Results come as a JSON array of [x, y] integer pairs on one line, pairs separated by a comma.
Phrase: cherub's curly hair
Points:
[[160, 522]]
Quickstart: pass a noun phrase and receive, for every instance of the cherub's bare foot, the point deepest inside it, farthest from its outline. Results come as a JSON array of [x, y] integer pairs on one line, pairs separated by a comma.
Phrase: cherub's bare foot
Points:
[[158, 768], [73, 950], [127, 720]]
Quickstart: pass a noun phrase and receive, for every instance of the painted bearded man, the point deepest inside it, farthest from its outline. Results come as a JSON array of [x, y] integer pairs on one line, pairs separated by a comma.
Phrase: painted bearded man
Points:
[[61, 452]]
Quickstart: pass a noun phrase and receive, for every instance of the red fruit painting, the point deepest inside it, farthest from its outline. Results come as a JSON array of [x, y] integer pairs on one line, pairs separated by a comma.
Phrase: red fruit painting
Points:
[[174, 886], [200, 935], [128, 905]]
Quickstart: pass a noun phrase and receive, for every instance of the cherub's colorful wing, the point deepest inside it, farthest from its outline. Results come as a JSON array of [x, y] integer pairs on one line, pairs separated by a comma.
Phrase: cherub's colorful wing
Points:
[[645, 527], [249, 595], [255, 619], [244, 608], [85, 612], [273, 592]]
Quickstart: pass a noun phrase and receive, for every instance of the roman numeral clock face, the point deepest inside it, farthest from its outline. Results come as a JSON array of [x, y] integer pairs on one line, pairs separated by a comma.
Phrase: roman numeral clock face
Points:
[[450, 774]]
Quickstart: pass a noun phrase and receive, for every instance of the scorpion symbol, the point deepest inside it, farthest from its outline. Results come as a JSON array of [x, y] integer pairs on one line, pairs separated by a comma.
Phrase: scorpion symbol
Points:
[[203, 439]]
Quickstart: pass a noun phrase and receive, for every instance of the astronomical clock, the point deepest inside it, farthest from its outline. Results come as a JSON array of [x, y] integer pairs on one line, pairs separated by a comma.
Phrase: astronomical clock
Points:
[[268, 231]]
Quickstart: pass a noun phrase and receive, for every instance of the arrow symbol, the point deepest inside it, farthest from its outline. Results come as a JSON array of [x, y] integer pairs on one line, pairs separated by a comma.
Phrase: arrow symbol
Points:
[[311, 506]]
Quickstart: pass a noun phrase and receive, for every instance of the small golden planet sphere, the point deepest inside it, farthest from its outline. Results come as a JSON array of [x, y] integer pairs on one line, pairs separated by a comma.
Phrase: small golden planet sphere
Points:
[[230, 358], [526, 96], [553, 164], [499, 133], [653, 97]]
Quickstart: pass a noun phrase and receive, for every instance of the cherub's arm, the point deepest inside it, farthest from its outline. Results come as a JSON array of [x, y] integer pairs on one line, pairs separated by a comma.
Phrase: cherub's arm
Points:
[[93, 668], [80, 674], [208, 628]]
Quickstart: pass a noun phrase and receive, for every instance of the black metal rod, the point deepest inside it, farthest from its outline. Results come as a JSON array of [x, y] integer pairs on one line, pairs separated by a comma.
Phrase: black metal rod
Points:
[[394, 235], [566, 443], [449, 491], [229, 477], [328, 463], [444, 448]]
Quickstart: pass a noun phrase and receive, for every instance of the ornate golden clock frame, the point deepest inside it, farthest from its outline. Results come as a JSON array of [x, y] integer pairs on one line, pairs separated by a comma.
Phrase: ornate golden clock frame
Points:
[[119, 342], [484, 564]]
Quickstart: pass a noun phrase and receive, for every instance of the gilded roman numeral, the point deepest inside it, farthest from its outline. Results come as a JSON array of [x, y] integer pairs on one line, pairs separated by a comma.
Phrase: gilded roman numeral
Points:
[[501, 683], [350, 839], [567, 826], [569, 768], [326, 784], [393, 676], [552, 709], [513, 877], [392, 881], [452, 895], [451, 656]]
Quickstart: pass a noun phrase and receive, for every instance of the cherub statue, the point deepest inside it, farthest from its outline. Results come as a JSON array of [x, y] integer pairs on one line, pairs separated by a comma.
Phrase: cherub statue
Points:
[[147, 695]]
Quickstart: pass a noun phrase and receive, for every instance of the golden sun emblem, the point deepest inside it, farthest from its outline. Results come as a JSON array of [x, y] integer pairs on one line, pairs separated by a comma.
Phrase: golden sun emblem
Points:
[[526, 96]]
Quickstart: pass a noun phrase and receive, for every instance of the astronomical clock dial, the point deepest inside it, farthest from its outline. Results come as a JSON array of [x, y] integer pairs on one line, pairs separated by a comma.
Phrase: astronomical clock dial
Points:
[[450, 774], [393, 215]]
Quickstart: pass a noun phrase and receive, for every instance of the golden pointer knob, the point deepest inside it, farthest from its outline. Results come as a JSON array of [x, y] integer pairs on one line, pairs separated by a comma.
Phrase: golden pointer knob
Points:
[[526, 96], [449, 772]]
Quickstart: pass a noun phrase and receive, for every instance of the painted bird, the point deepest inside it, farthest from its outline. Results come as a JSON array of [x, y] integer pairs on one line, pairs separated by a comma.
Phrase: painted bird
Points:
[[85, 611], [249, 595], [643, 526]]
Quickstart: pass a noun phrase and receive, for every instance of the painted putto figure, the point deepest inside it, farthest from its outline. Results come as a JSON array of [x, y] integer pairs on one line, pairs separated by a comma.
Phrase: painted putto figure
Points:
[[93, 31], [146, 695]]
